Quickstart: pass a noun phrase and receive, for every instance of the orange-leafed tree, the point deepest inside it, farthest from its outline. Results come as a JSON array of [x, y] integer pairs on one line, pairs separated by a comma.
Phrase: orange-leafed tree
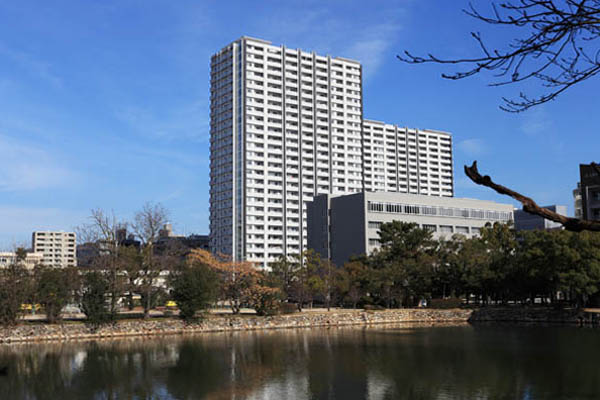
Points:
[[241, 283]]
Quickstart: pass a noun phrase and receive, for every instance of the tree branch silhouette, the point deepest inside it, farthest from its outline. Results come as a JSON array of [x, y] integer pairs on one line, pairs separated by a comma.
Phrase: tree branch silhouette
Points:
[[529, 205], [555, 49]]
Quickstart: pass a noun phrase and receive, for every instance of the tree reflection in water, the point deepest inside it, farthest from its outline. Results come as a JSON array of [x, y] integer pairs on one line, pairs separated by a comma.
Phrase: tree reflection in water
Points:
[[460, 362]]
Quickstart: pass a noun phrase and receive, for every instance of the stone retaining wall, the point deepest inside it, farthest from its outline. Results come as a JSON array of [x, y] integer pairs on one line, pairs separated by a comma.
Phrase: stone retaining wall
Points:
[[79, 331], [532, 315], [30, 332]]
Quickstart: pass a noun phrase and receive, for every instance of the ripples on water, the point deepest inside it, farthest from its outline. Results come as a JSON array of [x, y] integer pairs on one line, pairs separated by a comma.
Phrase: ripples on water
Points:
[[382, 362]]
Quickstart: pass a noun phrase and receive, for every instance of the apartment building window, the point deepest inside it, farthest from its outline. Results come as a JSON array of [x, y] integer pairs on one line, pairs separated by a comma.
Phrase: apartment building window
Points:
[[377, 207], [477, 214], [431, 228], [446, 229], [375, 224], [434, 210], [462, 230], [411, 209]]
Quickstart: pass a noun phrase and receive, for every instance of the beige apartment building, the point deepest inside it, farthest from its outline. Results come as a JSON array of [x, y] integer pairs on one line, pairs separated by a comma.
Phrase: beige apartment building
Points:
[[58, 248]]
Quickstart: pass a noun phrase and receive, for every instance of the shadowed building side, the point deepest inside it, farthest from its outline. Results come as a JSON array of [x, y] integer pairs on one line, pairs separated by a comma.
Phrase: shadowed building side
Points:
[[527, 221]]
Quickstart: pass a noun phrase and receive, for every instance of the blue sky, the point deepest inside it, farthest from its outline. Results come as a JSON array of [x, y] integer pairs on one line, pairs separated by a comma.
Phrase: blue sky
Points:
[[105, 103]]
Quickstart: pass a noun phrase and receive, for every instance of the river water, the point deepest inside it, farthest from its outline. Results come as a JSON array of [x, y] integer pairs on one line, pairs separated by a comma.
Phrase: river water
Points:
[[379, 362]]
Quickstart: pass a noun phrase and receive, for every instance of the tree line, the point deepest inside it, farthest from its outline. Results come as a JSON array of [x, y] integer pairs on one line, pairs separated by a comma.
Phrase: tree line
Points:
[[410, 268], [499, 267]]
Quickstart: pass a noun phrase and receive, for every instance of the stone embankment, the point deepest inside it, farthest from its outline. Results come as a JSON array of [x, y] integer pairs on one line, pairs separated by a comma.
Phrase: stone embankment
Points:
[[529, 315], [31, 332]]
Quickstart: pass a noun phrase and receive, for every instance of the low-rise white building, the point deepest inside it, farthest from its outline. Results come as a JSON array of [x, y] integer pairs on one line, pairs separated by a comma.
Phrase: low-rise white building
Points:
[[58, 248], [346, 225], [10, 257]]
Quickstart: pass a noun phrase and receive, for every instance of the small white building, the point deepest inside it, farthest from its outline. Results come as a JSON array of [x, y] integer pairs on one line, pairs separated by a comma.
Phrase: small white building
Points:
[[342, 226], [10, 257], [58, 248]]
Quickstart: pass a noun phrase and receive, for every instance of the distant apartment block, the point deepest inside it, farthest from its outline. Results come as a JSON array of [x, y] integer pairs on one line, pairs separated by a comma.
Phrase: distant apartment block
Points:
[[287, 125], [8, 258], [58, 248], [348, 225], [169, 241], [588, 193], [527, 221], [406, 160]]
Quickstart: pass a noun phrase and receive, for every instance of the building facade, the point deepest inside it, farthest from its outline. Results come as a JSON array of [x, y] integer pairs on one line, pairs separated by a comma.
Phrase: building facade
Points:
[[589, 192], [58, 248], [169, 241], [528, 222], [406, 160], [8, 258], [340, 227], [287, 125]]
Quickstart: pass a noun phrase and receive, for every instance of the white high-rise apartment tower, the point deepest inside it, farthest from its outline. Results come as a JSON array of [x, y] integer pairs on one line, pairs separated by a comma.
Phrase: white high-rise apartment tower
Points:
[[287, 125]]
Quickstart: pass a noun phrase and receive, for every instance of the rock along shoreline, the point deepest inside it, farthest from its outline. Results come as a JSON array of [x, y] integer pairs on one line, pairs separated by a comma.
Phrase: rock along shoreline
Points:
[[67, 331]]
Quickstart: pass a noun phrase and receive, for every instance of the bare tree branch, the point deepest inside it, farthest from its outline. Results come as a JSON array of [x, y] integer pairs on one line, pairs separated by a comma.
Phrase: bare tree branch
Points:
[[530, 206], [555, 47], [102, 227], [148, 221]]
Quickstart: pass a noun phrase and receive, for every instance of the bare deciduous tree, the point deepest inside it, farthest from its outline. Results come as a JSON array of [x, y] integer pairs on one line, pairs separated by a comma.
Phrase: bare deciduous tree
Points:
[[146, 226], [101, 231], [149, 221], [102, 227]]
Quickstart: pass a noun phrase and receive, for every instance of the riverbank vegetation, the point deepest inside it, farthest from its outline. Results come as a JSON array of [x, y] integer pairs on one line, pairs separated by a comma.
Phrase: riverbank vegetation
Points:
[[500, 267]]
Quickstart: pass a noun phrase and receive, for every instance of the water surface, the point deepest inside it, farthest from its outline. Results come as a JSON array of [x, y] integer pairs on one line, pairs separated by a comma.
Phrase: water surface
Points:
[[382, 362]]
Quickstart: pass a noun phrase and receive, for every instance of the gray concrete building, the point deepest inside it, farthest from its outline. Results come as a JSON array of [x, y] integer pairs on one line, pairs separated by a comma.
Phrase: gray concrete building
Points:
[[343, 226], [525, 221]]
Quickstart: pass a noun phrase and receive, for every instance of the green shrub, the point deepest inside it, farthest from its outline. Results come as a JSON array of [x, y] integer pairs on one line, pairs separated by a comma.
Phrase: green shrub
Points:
[[94, 300], [14, 288], [265, 300], [158, 297], [452, 302], [194, 288], [54, 290]]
